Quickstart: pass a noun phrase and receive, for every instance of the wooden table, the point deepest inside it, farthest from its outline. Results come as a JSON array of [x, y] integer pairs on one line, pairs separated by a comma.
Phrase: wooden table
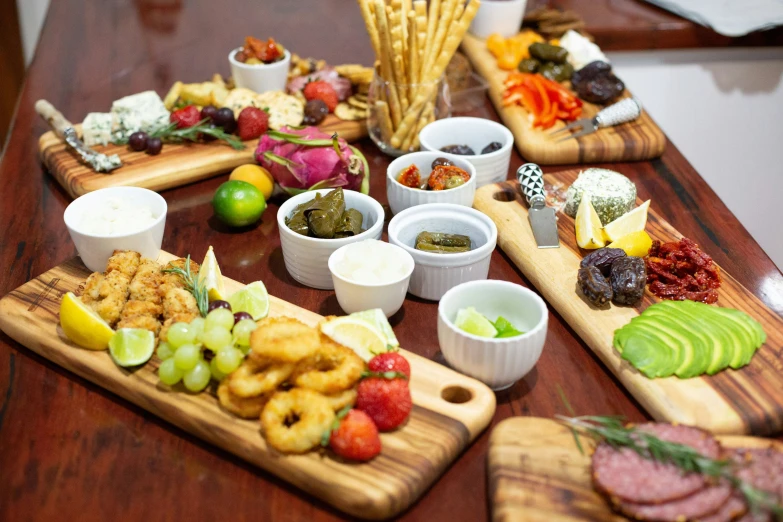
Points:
[[69, 450]]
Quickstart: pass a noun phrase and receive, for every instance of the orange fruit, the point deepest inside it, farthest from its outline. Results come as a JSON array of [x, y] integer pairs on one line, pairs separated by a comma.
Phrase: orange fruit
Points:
[[257, 176]]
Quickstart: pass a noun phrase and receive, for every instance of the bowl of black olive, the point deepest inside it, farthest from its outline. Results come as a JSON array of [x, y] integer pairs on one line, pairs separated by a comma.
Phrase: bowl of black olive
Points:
[[486, 144]]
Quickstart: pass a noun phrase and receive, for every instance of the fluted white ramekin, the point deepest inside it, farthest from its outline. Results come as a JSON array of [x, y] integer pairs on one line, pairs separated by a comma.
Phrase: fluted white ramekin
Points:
[[498, 363], [306, 258], [477, 133], [434, 274], [401, 197]]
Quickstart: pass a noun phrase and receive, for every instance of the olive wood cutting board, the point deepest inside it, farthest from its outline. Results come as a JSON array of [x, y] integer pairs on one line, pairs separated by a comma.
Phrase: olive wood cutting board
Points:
[[537, 473], [638, 140], [450, 409], [744, 401], [176, 164]]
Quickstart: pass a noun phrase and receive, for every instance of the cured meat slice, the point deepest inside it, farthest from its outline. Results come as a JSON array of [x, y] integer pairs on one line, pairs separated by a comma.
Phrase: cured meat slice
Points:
[[731, 509], [624, 475], [763, 468], [700, 504]]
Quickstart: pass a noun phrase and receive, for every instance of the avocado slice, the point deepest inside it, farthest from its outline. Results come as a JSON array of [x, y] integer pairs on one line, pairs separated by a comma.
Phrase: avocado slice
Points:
[[742, 325], [671, 346], [662, 315], [647, 353], [724, 345]]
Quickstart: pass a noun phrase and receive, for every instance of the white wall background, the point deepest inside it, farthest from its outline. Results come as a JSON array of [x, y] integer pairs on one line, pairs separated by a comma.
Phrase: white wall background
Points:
[[31, 19]]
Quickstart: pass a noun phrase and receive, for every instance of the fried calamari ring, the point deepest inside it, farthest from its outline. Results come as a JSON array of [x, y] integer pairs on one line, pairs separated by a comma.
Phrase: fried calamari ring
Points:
[[255, 377], [284, 339], [333, 369], [294, 421], [249, 408], [341, 400]]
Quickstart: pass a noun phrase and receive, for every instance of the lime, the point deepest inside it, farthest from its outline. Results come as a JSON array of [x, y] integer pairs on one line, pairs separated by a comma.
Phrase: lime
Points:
[[210, 275], [473, 322], [357, 334], [238, 203], [82, 325], [252, 299], [131, 346], [633, 221], [377, 318], [257, 176]]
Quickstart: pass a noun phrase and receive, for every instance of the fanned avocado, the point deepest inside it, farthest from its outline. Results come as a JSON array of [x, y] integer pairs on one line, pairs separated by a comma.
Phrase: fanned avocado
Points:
[[723, 344], [745, 328], [647, 353], [679, 349], [701, 343]]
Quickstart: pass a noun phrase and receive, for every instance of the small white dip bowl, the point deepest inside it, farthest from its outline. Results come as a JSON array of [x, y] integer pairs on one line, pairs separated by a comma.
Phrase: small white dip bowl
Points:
[[434, 274], [356, 295], [306, 258], [476, 133], [498, 363], [498, 16], [260, 77], [401, 197], [96, 248]]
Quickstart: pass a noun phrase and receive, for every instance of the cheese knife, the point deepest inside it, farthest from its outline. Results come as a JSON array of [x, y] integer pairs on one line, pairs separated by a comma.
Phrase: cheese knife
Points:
[[623, 111], [542, 218], [64, 129]]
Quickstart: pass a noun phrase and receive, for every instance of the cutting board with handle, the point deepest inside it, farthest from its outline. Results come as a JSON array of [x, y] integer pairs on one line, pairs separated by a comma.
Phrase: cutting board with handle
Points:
[[537, 473], [641, 139], [450, 409], [748, 400]]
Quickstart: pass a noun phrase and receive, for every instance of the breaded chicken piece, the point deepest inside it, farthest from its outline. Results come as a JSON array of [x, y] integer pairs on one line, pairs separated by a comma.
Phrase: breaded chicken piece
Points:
[[108, 293], [179, 305], [124, 261], [144, 306], [91, 288], [173, 280], [147, 322], [146, 282]]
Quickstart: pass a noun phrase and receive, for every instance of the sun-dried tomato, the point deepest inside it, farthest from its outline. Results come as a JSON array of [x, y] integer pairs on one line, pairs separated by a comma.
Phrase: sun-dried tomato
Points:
[[445, 177], [410, 177], [679, 270]]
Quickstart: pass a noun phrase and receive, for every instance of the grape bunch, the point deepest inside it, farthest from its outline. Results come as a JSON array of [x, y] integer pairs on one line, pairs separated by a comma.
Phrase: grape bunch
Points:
[[222, 334]]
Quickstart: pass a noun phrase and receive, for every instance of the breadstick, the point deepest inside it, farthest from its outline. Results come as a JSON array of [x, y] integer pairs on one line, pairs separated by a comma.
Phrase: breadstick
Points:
[[384, 123], [369, 23], [387, 68], [447, 12], [400, 20], [432, 21], [425, 93], [413, 50], [428, 117], [455, 38]]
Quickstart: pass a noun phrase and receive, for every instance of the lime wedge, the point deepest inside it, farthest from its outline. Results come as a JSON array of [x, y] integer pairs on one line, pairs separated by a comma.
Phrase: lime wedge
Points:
[[82, 325], [473, 322], [252, 299], [357, 334], [131, 346], [377, 318], [210, 275]]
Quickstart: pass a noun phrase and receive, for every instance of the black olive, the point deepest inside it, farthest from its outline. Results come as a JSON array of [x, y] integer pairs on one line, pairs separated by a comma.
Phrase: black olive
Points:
[[492, 147]]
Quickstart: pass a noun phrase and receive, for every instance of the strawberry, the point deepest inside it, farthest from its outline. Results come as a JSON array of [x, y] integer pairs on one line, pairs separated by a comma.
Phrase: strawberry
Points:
[[186, 117], [386, 398], [355, 437], [321, 90], [390, 362], [252, 123]]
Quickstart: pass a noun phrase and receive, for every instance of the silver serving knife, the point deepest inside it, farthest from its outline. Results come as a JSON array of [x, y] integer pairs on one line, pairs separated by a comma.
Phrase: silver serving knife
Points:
[[64, 129], [623, 111], [543, 220]]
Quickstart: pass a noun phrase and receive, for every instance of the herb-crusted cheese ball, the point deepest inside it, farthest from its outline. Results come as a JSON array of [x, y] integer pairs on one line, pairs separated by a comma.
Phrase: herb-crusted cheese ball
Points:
[[611, 194]]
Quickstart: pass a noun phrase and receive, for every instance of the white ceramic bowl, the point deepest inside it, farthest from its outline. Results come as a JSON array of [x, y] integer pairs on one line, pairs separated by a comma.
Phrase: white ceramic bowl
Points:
[[306, 258], [435, 274], [477, 133], [95, 249], [355, 296], [498, 16], [401, 197], [260, 77], [498, 363]]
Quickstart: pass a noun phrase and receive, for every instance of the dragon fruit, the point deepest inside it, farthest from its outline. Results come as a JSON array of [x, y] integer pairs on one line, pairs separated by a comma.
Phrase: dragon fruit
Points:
[[308, 159]]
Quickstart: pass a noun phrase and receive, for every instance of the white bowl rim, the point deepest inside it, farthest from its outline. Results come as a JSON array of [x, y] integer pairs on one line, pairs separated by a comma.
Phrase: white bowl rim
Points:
[[435, 193], [257, 66], [468, 119], [412, 265], [342, 241], [75, 203], [503, 340]]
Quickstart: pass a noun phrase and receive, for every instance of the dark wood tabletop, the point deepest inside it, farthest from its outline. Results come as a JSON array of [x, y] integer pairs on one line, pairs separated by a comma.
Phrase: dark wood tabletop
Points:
[[72, 451]]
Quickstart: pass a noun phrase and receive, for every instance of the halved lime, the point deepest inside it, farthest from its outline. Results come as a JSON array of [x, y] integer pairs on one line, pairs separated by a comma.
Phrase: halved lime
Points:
[[377, 318], [131, 346], [473, 322], [252, 299]]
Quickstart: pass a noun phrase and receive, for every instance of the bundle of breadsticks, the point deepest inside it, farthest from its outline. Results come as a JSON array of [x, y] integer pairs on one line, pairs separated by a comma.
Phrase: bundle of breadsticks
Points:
[[413, 45]]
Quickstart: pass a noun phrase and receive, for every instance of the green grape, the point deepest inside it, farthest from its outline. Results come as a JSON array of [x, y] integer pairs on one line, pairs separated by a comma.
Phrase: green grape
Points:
[[197, 378], [228, 359], [165, 350], [197, 325], [187, 356], [217, 337], [219, 317], [168, 373], [180, 334], [216, 373], [242, 331], [244, 349]]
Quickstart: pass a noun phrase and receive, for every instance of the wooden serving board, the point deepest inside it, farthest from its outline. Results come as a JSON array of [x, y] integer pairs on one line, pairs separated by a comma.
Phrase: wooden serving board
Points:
[[449, 411], [537, 473], [176, 165], [638, 140], [749, 400]]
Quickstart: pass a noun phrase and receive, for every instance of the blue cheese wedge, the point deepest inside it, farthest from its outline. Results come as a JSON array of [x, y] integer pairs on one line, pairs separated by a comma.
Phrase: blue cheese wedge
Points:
[[611, 194], [139, 112], [97, 128]]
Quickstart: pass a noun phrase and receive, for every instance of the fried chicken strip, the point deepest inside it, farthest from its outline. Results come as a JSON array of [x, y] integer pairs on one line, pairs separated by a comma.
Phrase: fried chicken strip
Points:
[[144, 305], [179, 305], [107, 294]]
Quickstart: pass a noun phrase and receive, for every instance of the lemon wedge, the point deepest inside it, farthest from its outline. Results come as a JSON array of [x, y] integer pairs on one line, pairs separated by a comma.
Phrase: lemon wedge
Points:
[[131, 346], [635, 244], [210, 275], [633, 221], [589, 232], [357, 334], [377, 318], [252, 299], [82, 325]]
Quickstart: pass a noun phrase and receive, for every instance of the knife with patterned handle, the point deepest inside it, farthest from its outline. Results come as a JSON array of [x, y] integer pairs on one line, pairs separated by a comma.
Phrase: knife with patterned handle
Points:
[[623, 111], [542, 219]]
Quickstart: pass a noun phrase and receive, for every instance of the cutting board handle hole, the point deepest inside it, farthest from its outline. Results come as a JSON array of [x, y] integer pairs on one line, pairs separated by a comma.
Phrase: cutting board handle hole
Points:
[[506, 195], [456, 394]]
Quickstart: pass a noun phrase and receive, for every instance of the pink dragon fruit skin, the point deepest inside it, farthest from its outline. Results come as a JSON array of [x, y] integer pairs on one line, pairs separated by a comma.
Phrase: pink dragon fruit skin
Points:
[[314, 164]]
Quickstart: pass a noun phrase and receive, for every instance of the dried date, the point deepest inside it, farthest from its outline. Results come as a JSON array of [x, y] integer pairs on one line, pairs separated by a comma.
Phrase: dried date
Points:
[[628, 278], [594, 285], [603, 259]]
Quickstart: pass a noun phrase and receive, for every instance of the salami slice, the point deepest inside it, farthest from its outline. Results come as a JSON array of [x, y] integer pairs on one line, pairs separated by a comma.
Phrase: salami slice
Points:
[[762, 468], [731, 509], [700, 504]]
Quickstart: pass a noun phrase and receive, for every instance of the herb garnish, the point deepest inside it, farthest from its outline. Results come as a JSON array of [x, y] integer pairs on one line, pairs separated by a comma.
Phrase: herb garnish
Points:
[[193, 285], [171, 134]]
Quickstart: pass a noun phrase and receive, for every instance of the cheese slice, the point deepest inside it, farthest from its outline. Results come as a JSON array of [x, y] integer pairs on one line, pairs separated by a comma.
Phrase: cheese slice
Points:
[[96, 128]]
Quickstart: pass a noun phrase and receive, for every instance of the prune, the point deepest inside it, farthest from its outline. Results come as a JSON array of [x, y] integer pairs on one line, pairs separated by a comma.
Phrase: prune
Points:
[[628, 278], [462, 150], [138, 141], [595, 83], [314, 112], [591, 71], [442, 162], [603, 259], [594, 285], [492, 147], [154, 146]]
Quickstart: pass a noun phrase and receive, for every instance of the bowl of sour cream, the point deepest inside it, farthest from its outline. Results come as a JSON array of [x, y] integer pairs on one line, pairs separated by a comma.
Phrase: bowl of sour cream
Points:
[[116, 218]]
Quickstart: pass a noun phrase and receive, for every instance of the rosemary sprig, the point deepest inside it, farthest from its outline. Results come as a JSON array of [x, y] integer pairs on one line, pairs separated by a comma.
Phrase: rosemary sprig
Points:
[[613, 431], [171, 134], [193, 285]]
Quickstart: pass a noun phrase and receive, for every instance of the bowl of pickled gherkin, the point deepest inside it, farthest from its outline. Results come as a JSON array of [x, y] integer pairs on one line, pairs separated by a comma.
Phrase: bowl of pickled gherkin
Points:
[[315, 223]]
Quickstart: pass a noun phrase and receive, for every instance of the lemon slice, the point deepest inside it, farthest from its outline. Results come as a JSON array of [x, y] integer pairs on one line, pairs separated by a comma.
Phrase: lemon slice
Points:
[[252, 299], [210, 275], [131, 346], [473, 322], [589, 232], [82, 325], [377, 318], [357, 334], [635, 244], [633, 221]]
